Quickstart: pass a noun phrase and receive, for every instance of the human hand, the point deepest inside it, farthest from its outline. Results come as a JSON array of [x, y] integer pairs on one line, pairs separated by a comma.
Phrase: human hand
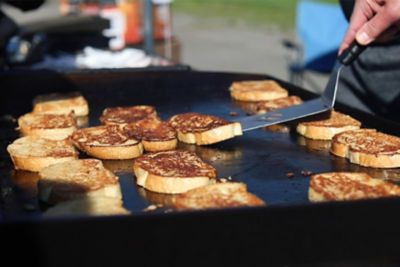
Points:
[[372, 20]]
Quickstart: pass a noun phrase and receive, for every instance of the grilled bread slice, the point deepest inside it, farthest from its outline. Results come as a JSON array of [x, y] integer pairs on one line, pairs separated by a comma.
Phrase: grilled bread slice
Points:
[[107, 142], [218, 195], [98, 206], [61, 103], [326, 128], [34, 152], [173, 171], [46, 124], [271, 105], [154, 134], [349, 186], [77, 179], [257, 90], [124, 115], [201, 129], [368, 147]]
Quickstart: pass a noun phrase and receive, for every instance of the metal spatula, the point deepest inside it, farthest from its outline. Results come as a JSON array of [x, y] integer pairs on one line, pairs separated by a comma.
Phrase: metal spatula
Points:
[[321, 104]]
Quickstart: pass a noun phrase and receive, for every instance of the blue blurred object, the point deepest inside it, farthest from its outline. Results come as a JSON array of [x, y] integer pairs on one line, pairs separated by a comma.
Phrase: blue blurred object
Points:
[[320, 28]]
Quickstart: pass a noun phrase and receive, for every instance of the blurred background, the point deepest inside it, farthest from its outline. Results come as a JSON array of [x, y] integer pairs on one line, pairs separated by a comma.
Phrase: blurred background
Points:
[[283, 38]]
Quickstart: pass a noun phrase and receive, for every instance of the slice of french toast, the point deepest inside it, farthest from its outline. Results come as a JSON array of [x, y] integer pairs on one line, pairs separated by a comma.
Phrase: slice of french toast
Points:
[[368, 147], [124, 115], [173, 171], [349, 186], [46, 124], [62, 103], [257, 90], [326, 128], [279, 103], [77, 179], [202, 129], [107, 142], [215, 196], [34, 152]]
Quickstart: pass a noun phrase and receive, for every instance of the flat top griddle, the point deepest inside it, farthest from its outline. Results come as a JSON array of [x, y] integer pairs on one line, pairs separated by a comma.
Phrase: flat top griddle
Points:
[[260, 158]]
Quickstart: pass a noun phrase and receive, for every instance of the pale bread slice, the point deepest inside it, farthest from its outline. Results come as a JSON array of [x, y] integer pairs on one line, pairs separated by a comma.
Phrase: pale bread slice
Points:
[[46, 124], [368, 147], [257, 90], [275, 104], [107, 142], [98, 206], [349, 186], [202, 129], [61, 103], [326, 128], [155, 135], [172, 172], [124, 115], [218, 195], [77, 179], [34, 152]]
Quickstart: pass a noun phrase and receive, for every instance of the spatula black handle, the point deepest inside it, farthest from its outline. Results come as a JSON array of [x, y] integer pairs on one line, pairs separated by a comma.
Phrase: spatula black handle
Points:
[[351, 53]]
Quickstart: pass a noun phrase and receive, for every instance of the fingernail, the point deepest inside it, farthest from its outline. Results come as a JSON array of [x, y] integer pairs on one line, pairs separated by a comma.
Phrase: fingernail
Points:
[[363, 38]]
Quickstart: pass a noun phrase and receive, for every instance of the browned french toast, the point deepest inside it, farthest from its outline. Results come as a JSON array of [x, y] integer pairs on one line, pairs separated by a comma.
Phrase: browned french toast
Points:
[[173, 171], [368, 147], [257, 90], [279, 103], [107, 142], [124, 115], [349, 186], [62, 103], [201, 129], [326, 128]]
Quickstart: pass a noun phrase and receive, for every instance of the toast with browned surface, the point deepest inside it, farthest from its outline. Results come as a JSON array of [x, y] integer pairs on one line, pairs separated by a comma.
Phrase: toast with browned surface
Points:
[[326, 128], [46, 124], [257, 90], [107, 142], [368, 147], [202, 129], [218, 195], [124, 115], [77, 179], [61, 103], [173, 171], [349, 186], [275, 104], [34, 152]]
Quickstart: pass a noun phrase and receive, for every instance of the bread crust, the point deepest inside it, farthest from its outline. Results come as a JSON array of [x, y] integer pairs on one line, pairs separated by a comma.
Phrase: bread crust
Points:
[[61, 103], [201, 129], [257, 90], [33, 153], [125, 115], [107, 142], [47, 124], [325, 129], [172, 172], [77, 179], [349, 186], [368, 147], [218, 195]]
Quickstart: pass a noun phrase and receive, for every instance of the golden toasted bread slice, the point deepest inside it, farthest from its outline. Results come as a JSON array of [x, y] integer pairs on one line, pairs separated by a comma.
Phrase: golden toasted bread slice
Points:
[[124, 115], [107, 142], [154, 134], [34, 152], [349, 186], [77, 179], [173, 171], [326, 128], [46, 124], [201, 129], [368, 147], [271, 105], [257, 90], [218, 195], [98, 206], [61, 103]]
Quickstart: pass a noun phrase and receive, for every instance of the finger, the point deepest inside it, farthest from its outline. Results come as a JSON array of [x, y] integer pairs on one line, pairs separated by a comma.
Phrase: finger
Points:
[[386, 35]]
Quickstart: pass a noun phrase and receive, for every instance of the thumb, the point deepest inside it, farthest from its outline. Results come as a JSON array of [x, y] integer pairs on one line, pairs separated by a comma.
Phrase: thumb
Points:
[[373, 28]]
